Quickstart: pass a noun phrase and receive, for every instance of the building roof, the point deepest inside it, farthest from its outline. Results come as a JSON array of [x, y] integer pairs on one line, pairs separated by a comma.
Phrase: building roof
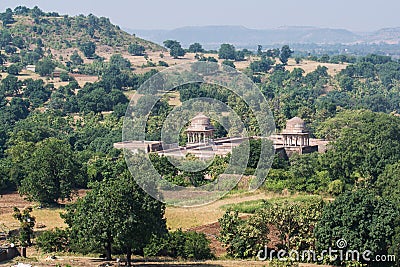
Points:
[[200, 123], [295, 125]]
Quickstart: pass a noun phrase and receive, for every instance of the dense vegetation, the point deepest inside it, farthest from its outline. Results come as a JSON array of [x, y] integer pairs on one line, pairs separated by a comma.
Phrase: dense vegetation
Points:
[[57, 139]]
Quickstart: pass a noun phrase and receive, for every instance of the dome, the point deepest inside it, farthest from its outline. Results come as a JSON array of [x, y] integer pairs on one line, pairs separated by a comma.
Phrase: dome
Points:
[[200, 123], [201, 119], [295, 125]]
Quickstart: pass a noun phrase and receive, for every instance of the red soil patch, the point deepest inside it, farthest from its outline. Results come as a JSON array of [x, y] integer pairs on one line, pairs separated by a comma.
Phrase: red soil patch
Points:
[[10, 200]]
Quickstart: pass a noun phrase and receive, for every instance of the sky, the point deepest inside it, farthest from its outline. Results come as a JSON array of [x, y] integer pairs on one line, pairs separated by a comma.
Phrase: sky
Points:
[[354, 15]]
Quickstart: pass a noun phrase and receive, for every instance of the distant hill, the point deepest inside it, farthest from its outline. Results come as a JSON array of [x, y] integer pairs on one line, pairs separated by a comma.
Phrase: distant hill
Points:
[[387, 35], [212, 36]]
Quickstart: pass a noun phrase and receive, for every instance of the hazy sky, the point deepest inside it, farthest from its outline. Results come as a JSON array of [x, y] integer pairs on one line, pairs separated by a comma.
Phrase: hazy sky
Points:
[[356, 15]]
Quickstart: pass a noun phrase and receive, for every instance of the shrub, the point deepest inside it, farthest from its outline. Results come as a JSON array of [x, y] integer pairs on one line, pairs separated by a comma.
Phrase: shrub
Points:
[[162, 64], [14, 69], [243, 238], [287, 262], [179, 244], [53, 241], [336, 187], [65, 77]]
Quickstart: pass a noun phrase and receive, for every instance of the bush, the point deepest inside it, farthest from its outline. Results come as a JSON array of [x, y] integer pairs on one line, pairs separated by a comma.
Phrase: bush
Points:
[[14, 69], [53, 241], [287, 262], [179, 244], [162, 64], [336, 187], [64, 77], [243, 238]]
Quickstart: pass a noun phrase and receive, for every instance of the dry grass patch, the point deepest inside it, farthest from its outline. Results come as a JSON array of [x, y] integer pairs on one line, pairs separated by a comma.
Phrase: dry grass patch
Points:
[[309, 66], [186, 218]]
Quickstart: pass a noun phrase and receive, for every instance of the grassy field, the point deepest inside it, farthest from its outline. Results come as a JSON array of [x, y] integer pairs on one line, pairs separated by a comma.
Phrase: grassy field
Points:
[[186, 218], [253, 205], [177, 217]]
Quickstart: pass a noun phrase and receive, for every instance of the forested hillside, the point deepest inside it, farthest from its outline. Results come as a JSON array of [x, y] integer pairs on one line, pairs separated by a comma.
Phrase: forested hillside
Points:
[[62, 31]]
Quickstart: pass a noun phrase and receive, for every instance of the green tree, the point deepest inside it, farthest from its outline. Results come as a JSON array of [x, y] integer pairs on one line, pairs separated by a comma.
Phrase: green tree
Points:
[[88, 49], [263, 65], [3, 59], [295, 221], [27, 222], [120, 62], [179, 244], [243, 238], [45, 67], [175, 48], [14, 69], [364, 220], [10, 85], [364, 144], [5, 38], [9, 49], [259, 50], [170, 43], [285, 54], [51, 172], [227, 51], [7, 17], [229, 63], [76, 58], [116, 214], [388, 183], [195, 48], [136, 49]]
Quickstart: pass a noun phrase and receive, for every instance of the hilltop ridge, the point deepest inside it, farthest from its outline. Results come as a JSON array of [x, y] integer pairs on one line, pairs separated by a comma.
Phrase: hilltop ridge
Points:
[[59, 32]]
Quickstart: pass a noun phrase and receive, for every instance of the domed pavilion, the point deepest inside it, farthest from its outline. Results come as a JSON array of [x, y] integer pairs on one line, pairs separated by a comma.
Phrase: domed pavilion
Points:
[[296, 134], [200, 130]]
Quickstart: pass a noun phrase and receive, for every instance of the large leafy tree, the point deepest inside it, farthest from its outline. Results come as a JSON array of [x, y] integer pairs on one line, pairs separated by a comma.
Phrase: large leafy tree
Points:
[[10, 85], [175, 48], [294, 221], [227, 51], [364, 220], [45, 67], [285, 54], [364, 143], [88, 49], [136, 49], [263, 65], [195, 48], [7, 17], [243, 238], [388, 183], [76, 58], [116, 215], [51, 172]]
